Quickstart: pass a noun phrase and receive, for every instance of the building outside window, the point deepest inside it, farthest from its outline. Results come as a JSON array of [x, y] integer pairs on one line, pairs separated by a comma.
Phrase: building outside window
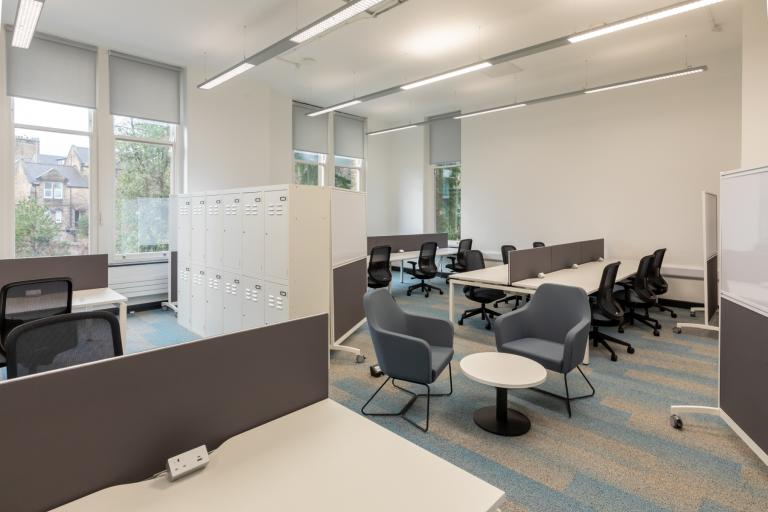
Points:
[[348, 173], [57, 216], [448, 200], [308, 168]]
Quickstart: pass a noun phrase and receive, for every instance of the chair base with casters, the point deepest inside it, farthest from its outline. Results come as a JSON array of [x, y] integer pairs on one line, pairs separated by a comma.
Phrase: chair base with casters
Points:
[[507, 300], [568, 398], [414, 396], [665, 309], [644, 318], [424, 287], [600, 338], [486, 314]]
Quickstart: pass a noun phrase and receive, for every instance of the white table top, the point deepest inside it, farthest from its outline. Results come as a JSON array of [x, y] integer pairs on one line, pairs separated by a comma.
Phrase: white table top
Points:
[[411, 255], [96, 297], [503, 370], [323, 458], [498, 275]]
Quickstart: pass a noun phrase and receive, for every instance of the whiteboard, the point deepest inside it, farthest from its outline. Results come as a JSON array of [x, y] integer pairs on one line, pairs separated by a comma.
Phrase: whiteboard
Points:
[[348, 226], [710, 225], [744, 231]]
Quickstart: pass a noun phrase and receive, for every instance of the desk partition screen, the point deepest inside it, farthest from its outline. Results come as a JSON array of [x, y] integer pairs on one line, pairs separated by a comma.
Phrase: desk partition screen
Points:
[[68, 433], [86, 272], [529, 263], [407, 243]]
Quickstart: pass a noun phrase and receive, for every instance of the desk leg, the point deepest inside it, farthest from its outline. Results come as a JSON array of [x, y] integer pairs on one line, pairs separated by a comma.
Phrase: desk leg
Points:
[[586, 354], [402, 266], [123, 316], [450, 301]]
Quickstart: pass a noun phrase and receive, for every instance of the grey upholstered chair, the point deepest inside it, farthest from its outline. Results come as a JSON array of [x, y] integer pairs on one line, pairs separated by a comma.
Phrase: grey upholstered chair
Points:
[[409, 348], [552, 329]]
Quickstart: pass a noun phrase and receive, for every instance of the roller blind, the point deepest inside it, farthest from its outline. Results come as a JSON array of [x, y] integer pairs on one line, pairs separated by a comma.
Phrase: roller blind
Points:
[[445, 141], [52, 69], [144, 89], [348, 136], [309, 133]]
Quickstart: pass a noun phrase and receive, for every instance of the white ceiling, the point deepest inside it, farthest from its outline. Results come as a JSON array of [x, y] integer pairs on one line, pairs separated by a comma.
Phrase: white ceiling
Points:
[[416, 39]]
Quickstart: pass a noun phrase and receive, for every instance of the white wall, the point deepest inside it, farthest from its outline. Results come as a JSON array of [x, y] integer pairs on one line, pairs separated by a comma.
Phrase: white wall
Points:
[[755, 84], [381, 204]]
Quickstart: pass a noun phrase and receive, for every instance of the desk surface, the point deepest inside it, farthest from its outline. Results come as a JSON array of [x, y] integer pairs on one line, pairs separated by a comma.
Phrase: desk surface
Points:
[[96, 297], [410, 255], [322, 458]]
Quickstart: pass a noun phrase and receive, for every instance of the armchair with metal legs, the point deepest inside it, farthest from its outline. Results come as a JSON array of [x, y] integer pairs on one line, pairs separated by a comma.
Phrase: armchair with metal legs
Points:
[[409, 348]]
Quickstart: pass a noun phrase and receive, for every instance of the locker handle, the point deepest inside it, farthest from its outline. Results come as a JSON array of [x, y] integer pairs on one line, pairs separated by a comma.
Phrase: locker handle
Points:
[[218, 276], [283, 198], [237, 200], [258, 287], [283, 294], [218, 201], [237, 281], [257, 200]]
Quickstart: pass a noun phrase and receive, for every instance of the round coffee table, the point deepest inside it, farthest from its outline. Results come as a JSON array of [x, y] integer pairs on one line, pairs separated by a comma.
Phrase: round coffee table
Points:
[[503, 371]]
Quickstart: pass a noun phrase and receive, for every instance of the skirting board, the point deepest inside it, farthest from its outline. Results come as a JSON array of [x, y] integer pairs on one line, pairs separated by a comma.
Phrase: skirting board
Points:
[[716, 411]]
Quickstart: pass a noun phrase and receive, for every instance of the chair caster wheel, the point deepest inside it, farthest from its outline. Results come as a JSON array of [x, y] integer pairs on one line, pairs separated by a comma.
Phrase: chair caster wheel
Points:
[[676, 422], [693, 314], [441, 292], [426, 295], [674, 315], [614, 358], [630, 350], [461, 322], [677, 330], [487, 327], [359, 358], [655, 333], [621, 330], [408, 294]]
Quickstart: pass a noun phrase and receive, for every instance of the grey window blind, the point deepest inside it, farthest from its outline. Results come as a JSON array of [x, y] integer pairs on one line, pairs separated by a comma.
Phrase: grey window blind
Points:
[[309, 133], [348, 136], [52, 69], [144, 89], [445, 141]]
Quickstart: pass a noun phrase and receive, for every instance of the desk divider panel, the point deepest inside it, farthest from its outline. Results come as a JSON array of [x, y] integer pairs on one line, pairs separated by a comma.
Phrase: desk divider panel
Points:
[[529, 263], [592, 250], [566, 255], [69, 433], [407, 243], [350, 282], [86, 272]]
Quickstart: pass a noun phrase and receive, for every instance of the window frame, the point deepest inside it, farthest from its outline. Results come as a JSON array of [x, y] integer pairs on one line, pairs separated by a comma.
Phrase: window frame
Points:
[[58, 216], [359, 168], [439, 197], [321, 164]]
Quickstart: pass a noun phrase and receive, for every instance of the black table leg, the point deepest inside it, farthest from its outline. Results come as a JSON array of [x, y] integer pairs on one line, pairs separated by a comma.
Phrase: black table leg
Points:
[[501, 419]]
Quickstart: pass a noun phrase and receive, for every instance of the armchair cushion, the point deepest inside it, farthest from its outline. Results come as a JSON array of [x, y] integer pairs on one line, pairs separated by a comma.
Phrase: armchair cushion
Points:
[[441, 356], [547, 353]]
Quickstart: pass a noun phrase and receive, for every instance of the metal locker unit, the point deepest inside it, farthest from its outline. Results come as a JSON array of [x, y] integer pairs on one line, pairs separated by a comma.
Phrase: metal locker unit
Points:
[[183, 293], [252, 243], [184, 226], [232, 315], [214, 302], [276, 235], [253, 295], [233, 232], [277, 304], [197, 299], [197, 230], [214, 230]]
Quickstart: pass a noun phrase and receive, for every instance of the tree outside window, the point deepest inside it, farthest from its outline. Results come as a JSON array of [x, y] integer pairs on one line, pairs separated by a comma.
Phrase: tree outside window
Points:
[[448, 200], [308, 168]]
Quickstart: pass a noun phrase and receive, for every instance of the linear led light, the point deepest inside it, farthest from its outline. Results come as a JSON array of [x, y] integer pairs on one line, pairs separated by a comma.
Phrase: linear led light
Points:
[[642, 19], [335, 107], [227, 75], [445, 76], [27, 16], [491, 111], [665, 76], [390, 130], [334, 19]]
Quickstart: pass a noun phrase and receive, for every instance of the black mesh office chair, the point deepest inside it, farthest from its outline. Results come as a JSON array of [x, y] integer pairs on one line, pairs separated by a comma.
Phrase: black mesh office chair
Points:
[[484, 296], [427, 269], [656, 280], [25, 301], [457, 263], [607, 312], [61, 341], [505, 249], [379, 271], [638, 295], [536, 245]]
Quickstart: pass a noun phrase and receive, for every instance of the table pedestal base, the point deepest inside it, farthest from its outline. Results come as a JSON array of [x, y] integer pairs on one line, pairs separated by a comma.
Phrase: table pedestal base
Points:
[[502, 420]]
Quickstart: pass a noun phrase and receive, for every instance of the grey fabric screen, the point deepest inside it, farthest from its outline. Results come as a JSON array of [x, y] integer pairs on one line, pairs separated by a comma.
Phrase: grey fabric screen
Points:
[[309, 133], [52, 69], [348, 135], [445, 141], [144, 89]]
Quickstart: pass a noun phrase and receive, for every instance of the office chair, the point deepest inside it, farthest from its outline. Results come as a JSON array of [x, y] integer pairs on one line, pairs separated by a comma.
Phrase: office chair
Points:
[[457, 263], [427, 269], [505, 259], [379, 271], [552, 329], [656, 280], [606, 312], [639, 295], [25, 301], [409, 348], [484, 296], [61, 341], [536, 245]]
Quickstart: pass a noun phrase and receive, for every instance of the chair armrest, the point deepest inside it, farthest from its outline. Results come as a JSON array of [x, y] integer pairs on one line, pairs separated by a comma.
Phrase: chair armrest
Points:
[[404, 357], [576, 344], [511, 326], [435, 331]]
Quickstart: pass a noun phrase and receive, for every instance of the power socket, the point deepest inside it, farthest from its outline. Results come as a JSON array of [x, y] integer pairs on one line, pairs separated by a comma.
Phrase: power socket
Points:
[[187, 462]]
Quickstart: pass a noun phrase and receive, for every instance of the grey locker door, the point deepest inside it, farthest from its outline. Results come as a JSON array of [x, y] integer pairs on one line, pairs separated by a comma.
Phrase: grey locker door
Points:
[[277, 303], [184, 212], [276, 226], [197, 300], [214, 302], [197, 231], [182, 294], [252, 252], [214, 231], [233, 232], [233, 305], [253, 295]]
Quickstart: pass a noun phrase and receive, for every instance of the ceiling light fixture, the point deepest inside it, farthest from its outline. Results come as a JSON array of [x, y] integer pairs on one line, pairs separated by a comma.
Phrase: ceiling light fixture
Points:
[[390, 130], [227, 75], [335, 107], [445, 76], [335, 18], [491, 110], [656, 78], [642, 19], [27, 16]]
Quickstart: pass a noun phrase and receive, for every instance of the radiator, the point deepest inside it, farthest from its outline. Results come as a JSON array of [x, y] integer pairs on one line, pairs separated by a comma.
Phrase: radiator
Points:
[[141, 283]]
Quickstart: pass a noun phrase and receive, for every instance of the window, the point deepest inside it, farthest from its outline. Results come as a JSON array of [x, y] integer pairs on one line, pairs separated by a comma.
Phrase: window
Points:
[[308, 168], [348, 171], [448, 200], [51, 154], [143, 176]]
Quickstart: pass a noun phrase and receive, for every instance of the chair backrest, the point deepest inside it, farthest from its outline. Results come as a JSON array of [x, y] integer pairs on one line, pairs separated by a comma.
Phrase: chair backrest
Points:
[[378, 265], [62, 341], [25, 301], [427, 257], [657, 281], [538, 244], [606, 302], [505, 252], [642, 281], [474, 260], [465, 245], [383, 314]]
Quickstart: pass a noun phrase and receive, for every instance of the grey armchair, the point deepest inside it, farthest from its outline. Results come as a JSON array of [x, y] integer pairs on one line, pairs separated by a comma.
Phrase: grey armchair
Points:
[[552, 329], [409, 348]]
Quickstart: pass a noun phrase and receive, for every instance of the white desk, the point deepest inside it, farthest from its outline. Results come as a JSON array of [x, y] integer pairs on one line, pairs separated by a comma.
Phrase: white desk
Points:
[[414, 255], [86, 299], [296, 463]]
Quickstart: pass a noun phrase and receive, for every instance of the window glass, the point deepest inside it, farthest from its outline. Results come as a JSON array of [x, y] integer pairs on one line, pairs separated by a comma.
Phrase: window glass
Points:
[[308, 168], [347, 175], [448, 201], [51, 115]]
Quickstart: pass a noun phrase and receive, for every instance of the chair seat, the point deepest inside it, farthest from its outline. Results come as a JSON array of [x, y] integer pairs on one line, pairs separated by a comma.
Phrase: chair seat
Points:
[[372, 283], [598, 318], [441, 356], [456, 267], [419, 274], [547, 353], [483, 295], [634, 299]]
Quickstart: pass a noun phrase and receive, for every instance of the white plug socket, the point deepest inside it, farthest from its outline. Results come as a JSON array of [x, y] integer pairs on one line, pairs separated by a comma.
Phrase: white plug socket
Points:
[[187, 462]]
